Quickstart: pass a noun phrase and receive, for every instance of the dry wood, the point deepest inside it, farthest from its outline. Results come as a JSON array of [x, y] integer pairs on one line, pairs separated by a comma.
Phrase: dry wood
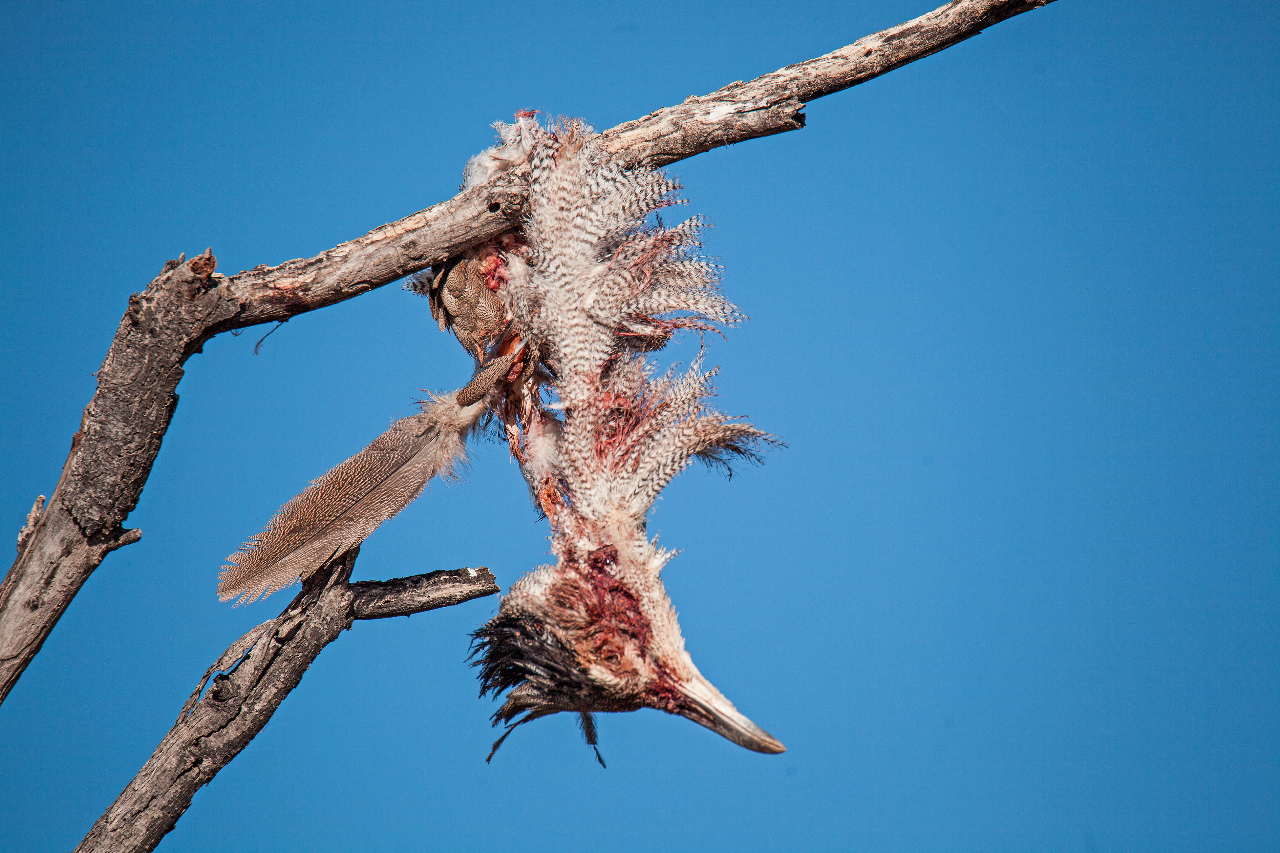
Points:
[[771, 104], [188, 303], [122, 427], [250, 680], [124, 423]]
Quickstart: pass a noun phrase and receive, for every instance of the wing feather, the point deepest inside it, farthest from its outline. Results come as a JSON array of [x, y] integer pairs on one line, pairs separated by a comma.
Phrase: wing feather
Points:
[[341, 509]]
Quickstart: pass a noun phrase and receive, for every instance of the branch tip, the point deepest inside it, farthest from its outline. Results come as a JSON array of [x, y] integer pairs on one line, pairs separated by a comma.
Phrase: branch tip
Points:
[[406, 596], [33, 518]]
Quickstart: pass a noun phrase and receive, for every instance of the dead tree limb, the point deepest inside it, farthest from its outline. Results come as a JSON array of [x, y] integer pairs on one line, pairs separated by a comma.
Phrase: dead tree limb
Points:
[[250, 680], [772, 103], [122, 427], [187, 304]]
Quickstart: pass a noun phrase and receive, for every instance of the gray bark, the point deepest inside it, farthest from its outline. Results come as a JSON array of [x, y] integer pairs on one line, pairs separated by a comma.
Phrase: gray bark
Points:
[[188, 303], [771, 104], [250, 680], [124, 423]]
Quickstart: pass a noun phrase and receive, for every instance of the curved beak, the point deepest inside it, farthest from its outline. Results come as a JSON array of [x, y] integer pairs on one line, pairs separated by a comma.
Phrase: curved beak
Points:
[[706, 706]]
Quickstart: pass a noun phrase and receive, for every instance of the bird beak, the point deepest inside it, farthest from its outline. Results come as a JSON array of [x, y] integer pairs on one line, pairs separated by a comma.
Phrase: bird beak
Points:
[[706, 706]]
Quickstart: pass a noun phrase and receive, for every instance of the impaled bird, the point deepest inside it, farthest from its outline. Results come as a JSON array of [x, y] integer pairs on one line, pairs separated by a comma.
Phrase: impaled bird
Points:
[[594, 289], [559, 318]]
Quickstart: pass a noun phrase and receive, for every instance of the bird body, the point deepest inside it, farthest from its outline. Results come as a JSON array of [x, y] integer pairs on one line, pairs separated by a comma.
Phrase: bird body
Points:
[[559, 318], [463, 301], [596, 631]]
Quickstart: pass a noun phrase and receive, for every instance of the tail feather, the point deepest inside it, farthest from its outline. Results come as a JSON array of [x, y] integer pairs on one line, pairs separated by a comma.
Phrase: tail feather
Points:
[[341, 509]]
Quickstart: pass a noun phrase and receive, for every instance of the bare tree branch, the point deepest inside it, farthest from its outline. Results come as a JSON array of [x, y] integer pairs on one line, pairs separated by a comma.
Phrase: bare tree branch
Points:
[[406, 596], [188, 303], [771, 104], [122, 427], [250, 680]]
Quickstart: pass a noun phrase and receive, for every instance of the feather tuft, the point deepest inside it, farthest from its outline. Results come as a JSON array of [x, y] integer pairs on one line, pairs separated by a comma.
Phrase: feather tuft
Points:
[[599, 288]]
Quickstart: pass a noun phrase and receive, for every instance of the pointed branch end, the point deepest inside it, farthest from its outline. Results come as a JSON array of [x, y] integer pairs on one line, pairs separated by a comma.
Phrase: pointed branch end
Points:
[[33, 518]]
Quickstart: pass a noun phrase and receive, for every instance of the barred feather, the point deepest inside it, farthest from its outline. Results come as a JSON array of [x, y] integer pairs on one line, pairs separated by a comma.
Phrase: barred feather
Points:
[[596, 631], [341, 509], [605, 286]]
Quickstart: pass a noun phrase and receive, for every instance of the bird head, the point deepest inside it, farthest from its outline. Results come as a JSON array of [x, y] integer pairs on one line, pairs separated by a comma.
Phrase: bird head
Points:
[[595, 634]]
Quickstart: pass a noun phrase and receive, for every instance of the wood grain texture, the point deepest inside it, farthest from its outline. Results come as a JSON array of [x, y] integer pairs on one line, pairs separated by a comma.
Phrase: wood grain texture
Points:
[[125, 421], [110, 458], [404, 596]]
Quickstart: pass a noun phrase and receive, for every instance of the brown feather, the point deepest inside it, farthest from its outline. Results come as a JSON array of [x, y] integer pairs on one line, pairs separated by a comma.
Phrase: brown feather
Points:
[[341, 509]]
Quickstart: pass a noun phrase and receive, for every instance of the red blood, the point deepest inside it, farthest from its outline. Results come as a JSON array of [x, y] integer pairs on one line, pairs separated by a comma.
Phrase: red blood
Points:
[[495, 272]]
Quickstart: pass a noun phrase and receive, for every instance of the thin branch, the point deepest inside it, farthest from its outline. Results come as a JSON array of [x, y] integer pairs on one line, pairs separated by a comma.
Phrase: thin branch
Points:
[[406, 596], [771, 104], [120, 434], [250, 680]]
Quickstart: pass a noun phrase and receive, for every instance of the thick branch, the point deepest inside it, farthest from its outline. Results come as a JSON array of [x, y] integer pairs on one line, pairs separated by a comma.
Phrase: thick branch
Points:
[[110, 457], [249, 681], [123, 425], [188, 303]]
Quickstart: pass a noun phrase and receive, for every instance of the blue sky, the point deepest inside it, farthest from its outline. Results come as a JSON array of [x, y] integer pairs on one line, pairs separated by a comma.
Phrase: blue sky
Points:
[[1013, 584]]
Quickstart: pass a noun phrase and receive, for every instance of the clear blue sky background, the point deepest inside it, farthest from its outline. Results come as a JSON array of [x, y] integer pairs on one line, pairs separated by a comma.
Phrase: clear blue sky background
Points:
[[1013, 586]]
